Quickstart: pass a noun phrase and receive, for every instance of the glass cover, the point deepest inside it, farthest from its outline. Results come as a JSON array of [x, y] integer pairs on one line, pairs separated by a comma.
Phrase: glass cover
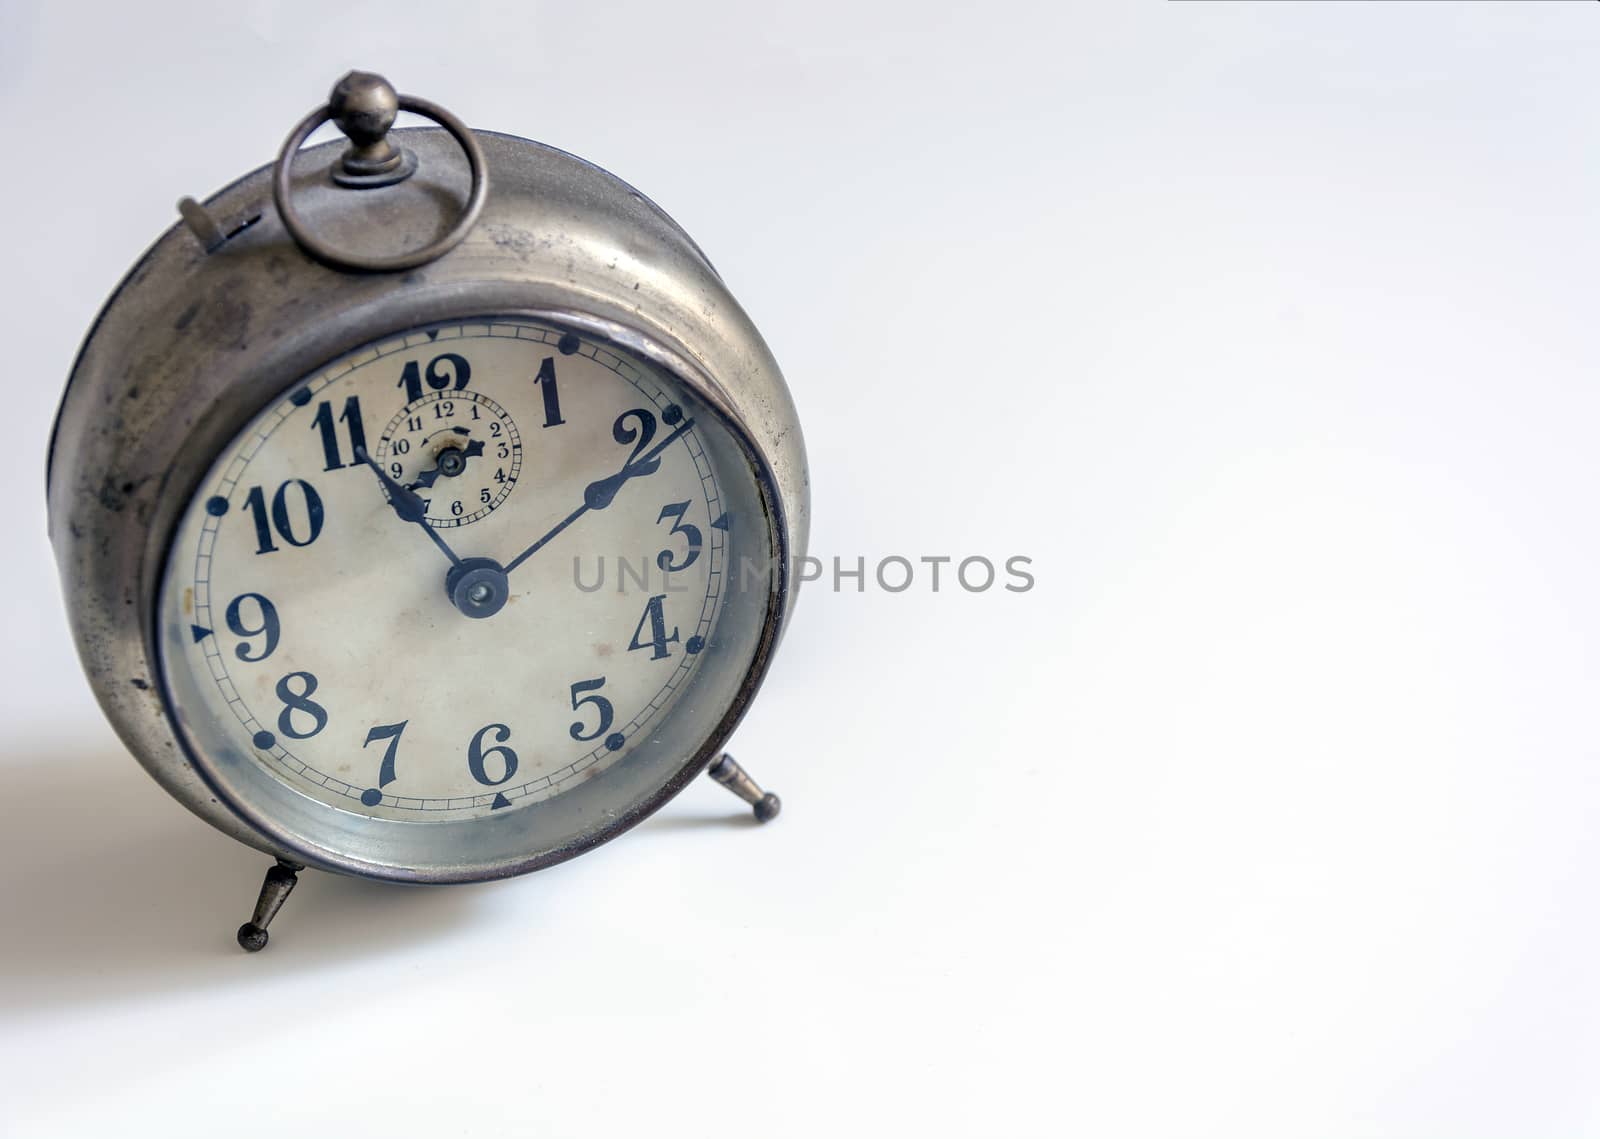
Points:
[[463, 572]]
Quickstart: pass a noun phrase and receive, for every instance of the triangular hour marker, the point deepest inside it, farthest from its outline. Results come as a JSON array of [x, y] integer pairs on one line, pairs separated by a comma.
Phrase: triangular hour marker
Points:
[[721, 523], [433, 334], [200, 633], [499, 801]]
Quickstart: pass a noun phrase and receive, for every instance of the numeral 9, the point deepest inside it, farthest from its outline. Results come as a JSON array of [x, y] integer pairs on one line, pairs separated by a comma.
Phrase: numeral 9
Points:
[[269, 625]]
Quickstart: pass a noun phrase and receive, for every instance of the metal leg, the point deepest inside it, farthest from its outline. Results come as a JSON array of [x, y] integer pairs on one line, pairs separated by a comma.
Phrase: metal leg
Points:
[[728, 773], [280, 879]]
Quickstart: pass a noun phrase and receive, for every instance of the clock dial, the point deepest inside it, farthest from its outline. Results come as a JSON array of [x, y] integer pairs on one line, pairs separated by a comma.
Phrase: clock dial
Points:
[[462, 571]]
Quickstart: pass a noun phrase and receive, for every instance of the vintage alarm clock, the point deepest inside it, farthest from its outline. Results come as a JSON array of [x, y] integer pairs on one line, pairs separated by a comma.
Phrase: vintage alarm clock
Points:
[[426, 506]]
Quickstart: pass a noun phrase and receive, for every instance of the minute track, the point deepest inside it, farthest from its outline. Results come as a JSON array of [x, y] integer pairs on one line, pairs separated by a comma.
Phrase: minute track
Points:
[[417, 793]]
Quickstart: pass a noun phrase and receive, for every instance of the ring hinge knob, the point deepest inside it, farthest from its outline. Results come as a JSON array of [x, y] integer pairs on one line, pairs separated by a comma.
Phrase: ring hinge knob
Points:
[[364, 106]]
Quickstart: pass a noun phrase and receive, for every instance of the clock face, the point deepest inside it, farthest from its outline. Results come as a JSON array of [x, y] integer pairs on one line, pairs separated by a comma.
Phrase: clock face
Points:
[[463, 572]]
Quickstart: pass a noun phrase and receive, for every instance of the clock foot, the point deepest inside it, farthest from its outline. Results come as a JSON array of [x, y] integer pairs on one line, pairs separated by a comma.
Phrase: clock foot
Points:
[[280, 879], [728, 773]]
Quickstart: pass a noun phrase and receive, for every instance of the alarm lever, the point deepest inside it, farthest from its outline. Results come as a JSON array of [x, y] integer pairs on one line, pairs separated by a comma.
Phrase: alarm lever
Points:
[[200, 222], [205, 227], [727, 772], [280, 879]]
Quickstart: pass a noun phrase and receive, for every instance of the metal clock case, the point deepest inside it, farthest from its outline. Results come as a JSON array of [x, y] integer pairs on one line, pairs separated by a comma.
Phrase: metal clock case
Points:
[[375, 273]]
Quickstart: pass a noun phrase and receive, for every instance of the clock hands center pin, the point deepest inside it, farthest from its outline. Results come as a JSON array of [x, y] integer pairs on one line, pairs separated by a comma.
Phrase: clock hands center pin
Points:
[[449, 462]]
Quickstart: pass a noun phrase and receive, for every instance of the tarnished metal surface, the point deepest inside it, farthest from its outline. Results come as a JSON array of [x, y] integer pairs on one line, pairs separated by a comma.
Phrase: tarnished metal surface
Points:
[[727, 772], [194, 343], [363, 106], [279, 882]]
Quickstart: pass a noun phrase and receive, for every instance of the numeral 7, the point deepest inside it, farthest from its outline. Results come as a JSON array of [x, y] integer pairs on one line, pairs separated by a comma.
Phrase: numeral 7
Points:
[[390, 732]]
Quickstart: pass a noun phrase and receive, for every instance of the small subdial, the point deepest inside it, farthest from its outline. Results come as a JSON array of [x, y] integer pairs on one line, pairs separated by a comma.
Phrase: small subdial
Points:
[[459, 450]]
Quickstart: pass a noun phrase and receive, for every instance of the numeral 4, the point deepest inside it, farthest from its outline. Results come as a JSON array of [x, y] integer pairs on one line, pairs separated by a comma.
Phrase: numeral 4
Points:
[[659, 637]]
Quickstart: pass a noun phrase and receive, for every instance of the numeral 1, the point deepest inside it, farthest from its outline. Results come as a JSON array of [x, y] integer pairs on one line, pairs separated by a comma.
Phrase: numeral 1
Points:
[[546, 379]]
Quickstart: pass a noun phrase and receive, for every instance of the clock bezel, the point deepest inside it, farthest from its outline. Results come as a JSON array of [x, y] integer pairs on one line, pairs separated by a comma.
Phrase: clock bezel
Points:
[[303, 849]]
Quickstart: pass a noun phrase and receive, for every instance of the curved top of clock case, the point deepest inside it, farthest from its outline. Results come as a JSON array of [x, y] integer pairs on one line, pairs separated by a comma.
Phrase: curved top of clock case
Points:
[[194, 342]]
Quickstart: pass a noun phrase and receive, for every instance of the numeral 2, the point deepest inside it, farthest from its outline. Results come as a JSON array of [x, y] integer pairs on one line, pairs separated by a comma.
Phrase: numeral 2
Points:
[[639, 436]]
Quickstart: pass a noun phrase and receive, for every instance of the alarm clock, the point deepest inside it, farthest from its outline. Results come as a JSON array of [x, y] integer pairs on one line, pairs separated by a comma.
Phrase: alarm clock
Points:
[[425, 505]]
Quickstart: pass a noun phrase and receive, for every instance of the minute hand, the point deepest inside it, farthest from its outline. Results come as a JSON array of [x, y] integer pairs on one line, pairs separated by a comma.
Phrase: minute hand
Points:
[[407, 504], [599, 494]]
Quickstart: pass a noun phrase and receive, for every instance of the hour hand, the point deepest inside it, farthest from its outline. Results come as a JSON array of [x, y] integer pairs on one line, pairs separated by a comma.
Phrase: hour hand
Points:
[[406, 502], [598, 494], [408, 505]]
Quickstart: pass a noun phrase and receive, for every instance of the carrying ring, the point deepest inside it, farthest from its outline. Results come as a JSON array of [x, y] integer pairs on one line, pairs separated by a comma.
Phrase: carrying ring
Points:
[[363, 106]]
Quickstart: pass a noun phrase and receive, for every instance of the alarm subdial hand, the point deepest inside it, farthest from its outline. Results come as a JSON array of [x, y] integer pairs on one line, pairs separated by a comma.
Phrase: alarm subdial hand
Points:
[[449, 462], [460, 449]]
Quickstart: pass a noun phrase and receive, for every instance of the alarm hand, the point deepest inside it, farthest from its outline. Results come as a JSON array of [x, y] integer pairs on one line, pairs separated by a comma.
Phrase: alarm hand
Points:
[[450, 461], [408, 505], [599, 494]]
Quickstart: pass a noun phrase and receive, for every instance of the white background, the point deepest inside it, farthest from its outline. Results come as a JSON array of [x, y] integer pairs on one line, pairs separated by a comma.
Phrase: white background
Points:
[[1266, 330]]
